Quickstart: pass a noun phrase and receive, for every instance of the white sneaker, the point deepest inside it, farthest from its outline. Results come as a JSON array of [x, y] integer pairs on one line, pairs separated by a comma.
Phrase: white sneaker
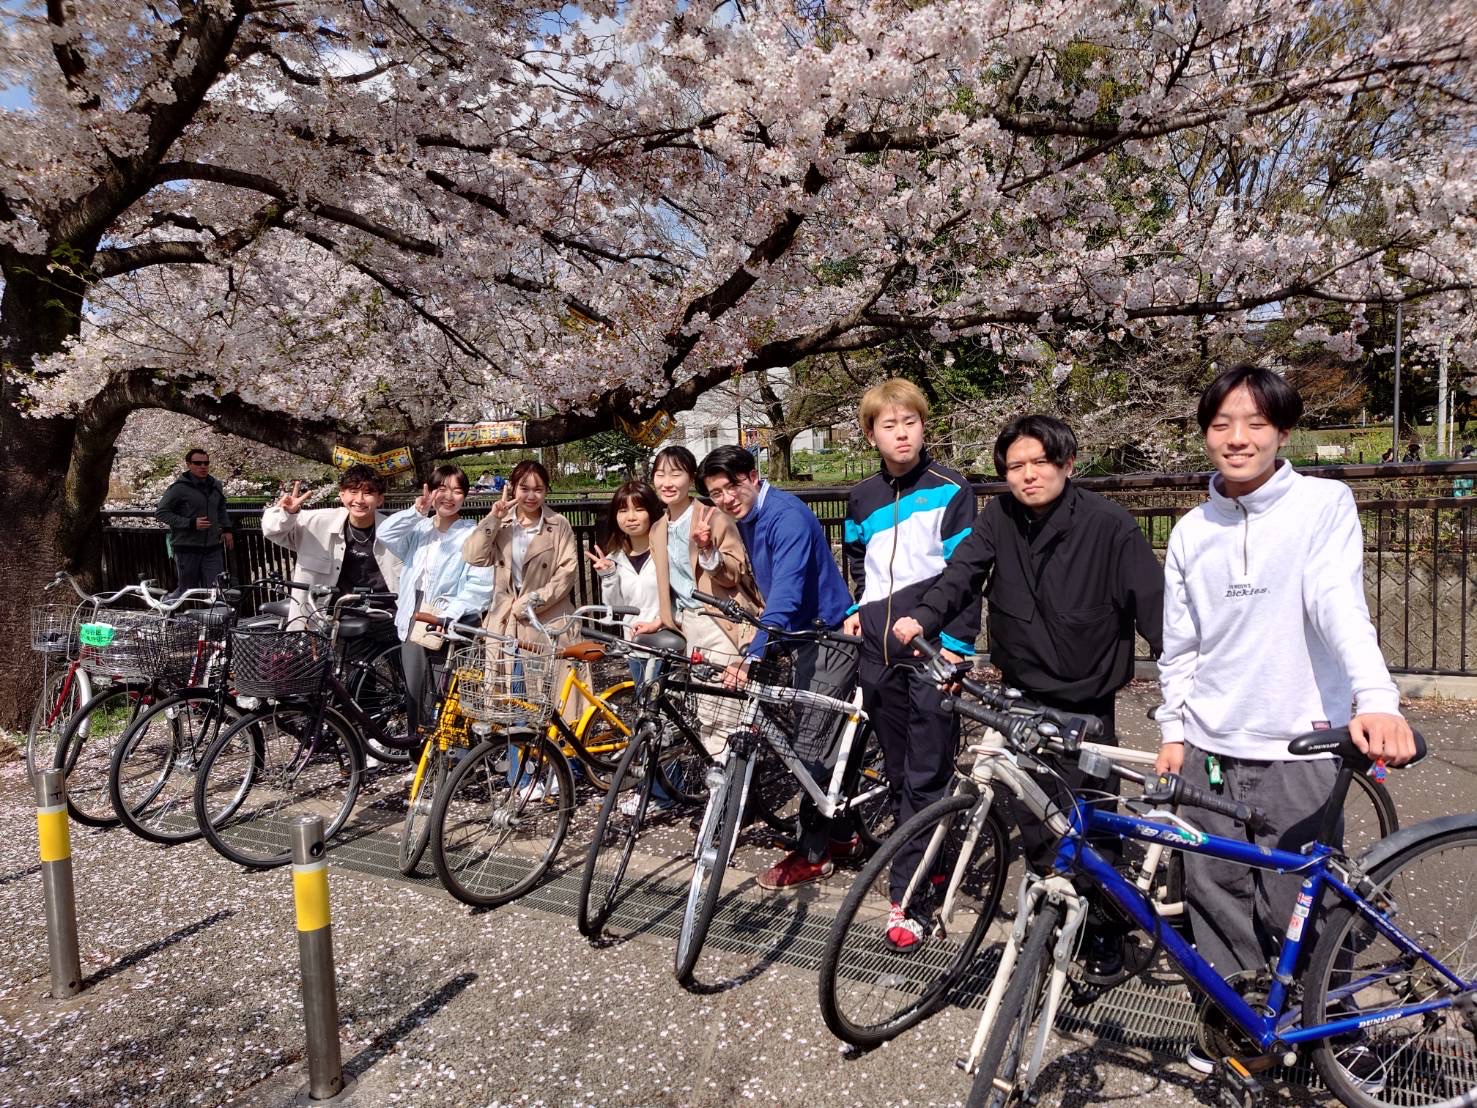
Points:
[[535, 790], [629, 806]]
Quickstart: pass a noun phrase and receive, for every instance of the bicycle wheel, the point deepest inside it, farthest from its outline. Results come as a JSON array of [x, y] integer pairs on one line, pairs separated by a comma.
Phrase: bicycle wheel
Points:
[[85, 751], [996, 1082], [682, 762], [62, 696], [268, 770], [1429, 891], [774, 794], [712, 851], [1369, 815], [151, 781], [430, 779], [603, 741], [492, 839], [873, 815], [379, 688], [871, 993], [615, 833]]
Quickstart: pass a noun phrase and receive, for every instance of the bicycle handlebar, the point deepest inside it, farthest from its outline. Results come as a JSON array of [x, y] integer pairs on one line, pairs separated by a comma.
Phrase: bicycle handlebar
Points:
[[1171, 788], [736, 612]]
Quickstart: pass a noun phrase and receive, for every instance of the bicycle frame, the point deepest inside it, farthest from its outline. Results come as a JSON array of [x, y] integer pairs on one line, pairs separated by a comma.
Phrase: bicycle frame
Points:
[[830, 803]]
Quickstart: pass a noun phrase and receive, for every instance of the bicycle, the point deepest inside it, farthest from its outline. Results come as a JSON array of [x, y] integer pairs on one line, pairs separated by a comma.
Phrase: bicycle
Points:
[[151, 778], [1378, 961], [136, 657], [870, 993], [665, 751], [54, 636], [298, 748], [799, 726]]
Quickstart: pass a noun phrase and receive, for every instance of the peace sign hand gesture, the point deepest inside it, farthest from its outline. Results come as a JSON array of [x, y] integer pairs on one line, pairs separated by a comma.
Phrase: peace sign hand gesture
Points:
[[702, 527], [292, 501], [602, 561], [423, 501], [500, 509]]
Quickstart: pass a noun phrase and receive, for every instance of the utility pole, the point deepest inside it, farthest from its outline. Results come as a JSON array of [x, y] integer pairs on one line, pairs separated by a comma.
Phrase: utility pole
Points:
[[1441, 398]]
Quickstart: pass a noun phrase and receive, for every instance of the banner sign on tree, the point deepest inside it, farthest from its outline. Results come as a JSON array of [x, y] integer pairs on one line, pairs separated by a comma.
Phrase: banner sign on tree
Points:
[[387, 464], [651, 432], [497, 432]]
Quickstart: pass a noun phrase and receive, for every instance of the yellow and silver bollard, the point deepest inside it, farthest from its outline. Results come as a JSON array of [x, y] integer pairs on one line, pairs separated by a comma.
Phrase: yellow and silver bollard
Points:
[[315, 952], [56, 879]]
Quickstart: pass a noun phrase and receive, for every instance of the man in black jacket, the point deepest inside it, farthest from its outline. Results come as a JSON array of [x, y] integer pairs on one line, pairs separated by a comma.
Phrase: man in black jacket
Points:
[[200, 530], [1069, 576]]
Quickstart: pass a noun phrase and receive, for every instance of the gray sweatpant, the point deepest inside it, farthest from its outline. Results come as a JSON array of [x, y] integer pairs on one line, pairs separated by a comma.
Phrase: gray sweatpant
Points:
[[1239, 915]]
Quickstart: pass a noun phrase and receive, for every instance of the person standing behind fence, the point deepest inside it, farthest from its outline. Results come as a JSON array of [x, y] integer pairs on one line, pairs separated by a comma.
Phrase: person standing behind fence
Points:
[[334, 546], [200, 530], [427, 537], [532, 552]]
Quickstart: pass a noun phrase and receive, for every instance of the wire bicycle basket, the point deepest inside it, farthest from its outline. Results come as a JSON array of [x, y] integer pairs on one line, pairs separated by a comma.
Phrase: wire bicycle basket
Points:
[[54, 627], [137, 646], [784, 712], [278, 665], [505, 681]]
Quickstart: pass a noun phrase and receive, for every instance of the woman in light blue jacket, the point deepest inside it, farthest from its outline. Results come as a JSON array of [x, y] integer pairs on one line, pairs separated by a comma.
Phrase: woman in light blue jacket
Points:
[[427, 537]]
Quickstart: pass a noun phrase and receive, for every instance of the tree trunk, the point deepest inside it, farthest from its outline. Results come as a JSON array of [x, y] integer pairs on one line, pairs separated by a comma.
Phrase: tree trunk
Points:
[[779, 456]]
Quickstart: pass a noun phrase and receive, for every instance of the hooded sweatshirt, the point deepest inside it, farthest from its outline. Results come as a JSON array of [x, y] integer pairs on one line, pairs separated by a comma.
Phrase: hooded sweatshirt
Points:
[[1266, 632]]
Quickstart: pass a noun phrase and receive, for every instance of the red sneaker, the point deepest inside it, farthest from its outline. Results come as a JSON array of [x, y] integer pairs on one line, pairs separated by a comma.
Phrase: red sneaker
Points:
[[902, 933], [847, 848], [794, 869]]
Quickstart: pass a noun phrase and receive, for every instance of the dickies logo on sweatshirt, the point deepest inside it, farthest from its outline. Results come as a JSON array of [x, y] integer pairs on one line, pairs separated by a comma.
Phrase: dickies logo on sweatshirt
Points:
[[1244, 589]]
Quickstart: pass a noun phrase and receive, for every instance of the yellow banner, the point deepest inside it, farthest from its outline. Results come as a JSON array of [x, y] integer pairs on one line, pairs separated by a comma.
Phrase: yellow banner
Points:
[[495, 432], [387, 464], [651, 432]]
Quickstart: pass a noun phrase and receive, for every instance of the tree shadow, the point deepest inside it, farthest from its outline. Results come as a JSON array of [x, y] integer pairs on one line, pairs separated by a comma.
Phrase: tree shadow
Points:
[[386, 1040]]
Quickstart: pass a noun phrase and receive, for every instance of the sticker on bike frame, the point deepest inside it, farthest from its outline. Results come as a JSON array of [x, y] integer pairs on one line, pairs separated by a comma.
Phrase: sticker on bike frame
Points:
[[1300, 912], [1176, 835], [96, 634]]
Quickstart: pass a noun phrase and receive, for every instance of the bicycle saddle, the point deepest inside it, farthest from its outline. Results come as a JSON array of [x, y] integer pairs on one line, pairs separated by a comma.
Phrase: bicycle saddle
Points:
[[214, 617], [1339, 742], [664, 639], [278, 608], [353, 626], [583, 652]]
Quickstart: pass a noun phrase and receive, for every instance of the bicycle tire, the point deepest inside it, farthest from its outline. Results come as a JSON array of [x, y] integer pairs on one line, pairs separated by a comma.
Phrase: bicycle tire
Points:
[[869, 993], [50, 716], [709, 865], [85, 752], [615, 834], [1020, 1008], [425, 787], [151, 781], [379, 689], [601, 743], [492, 842], [774, 794], [268, 770], [1369, 815], [873, 817], [682, 762], [1430, 887]]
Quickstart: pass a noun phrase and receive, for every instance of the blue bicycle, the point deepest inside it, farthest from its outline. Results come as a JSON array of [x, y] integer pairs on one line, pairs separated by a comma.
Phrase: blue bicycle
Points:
[[1386, 1001]]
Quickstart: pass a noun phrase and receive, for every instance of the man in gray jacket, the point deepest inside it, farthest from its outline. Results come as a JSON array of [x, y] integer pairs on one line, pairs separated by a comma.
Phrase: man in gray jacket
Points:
[[200, 530]]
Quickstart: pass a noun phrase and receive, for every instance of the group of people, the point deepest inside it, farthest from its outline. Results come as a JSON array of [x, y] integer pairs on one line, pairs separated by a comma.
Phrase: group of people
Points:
[[1258, 617]]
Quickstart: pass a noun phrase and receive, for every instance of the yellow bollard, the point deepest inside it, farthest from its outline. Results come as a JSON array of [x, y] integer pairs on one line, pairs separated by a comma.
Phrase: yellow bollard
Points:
[[315, 954], [55, 841]]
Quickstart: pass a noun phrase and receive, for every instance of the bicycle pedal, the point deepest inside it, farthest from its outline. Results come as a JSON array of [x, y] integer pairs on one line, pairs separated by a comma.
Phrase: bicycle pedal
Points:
[[1239, 1086]]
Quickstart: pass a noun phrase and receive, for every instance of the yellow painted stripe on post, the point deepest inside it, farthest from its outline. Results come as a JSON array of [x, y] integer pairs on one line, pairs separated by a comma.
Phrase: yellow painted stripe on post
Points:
[[310, 892], [51, 828]]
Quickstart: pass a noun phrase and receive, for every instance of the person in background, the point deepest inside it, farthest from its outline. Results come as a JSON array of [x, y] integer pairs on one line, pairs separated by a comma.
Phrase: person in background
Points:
[[1412, 451], [335, 546], [427, 537], [200, 528], [801, 586]]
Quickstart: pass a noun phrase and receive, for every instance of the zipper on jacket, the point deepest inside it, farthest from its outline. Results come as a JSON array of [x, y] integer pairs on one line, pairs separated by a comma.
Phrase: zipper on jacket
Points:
[[1245, 537], [897, 496]]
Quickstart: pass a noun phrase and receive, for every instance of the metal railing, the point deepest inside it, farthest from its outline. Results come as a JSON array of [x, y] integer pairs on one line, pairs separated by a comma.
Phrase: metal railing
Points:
[[1418, 540]]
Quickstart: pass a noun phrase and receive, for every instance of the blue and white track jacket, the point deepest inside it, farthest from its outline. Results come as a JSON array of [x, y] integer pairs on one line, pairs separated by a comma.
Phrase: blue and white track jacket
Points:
[[900, 533]]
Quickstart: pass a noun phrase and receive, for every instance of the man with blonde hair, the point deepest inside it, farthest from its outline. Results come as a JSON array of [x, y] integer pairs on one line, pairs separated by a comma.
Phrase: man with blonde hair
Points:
[[902, 525]]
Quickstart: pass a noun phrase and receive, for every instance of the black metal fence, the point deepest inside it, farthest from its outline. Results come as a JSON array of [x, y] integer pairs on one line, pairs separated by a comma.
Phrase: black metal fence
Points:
[[1418, 538]]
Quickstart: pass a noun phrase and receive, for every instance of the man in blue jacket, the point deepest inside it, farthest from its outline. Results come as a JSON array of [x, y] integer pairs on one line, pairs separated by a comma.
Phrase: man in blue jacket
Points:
[[797, 576]]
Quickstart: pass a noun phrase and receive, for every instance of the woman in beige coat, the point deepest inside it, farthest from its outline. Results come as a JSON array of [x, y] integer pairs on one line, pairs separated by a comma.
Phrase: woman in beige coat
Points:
[[531, 550]]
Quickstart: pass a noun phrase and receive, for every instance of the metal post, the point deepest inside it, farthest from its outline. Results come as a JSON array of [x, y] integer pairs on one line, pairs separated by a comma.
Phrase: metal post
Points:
[[56, 879], [1441, 398], [315, 953], [1395, 432]]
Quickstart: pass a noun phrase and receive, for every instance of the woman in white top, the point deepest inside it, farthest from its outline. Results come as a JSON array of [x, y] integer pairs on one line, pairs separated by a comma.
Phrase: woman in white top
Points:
[[628, 573], [428, 538]]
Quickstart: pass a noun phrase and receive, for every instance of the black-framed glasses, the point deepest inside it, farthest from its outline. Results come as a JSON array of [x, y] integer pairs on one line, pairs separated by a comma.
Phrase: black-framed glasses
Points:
[[199, 461]]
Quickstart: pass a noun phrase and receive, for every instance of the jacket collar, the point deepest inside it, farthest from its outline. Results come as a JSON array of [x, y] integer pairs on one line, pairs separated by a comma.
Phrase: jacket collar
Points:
[[911, 478], [1058, 518], [1261, 500]]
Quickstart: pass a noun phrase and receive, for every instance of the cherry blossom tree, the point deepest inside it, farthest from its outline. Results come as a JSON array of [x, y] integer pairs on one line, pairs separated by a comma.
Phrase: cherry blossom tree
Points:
[[345, 221]]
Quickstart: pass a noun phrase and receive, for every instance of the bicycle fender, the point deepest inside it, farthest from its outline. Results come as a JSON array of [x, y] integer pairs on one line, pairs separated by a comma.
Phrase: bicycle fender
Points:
[[1387, 848]]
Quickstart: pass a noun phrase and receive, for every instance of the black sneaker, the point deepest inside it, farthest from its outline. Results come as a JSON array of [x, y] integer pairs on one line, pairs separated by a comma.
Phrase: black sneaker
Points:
[[1102, 957]]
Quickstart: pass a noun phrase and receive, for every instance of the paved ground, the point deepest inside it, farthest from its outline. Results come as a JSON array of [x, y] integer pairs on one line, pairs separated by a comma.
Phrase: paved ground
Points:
[[192, 997]]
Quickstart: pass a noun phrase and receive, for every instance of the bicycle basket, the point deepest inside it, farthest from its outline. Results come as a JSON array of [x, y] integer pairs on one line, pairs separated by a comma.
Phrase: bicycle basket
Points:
[[54, 628], [784, 715], [278, 664], [505, 681], [134, 646]]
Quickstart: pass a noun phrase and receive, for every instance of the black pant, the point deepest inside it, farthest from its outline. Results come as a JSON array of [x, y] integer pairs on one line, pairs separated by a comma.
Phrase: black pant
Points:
[[199, 567], [919, 741]]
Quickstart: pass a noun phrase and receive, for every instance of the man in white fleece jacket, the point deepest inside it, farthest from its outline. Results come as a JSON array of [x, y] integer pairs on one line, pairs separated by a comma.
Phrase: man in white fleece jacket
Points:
[[1266, 637]]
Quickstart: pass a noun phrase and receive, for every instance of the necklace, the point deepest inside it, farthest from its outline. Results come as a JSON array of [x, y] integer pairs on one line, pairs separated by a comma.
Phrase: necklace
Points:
[[360, 537]]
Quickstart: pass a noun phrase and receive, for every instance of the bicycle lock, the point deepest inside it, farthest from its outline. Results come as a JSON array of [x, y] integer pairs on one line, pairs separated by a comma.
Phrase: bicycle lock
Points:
[[56, 879], [315, 954]]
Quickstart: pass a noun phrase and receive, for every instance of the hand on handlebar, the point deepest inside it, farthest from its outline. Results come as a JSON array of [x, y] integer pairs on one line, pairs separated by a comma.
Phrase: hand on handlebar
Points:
[[852, 625], [1171, 758], [736, 675], [906, 629]]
